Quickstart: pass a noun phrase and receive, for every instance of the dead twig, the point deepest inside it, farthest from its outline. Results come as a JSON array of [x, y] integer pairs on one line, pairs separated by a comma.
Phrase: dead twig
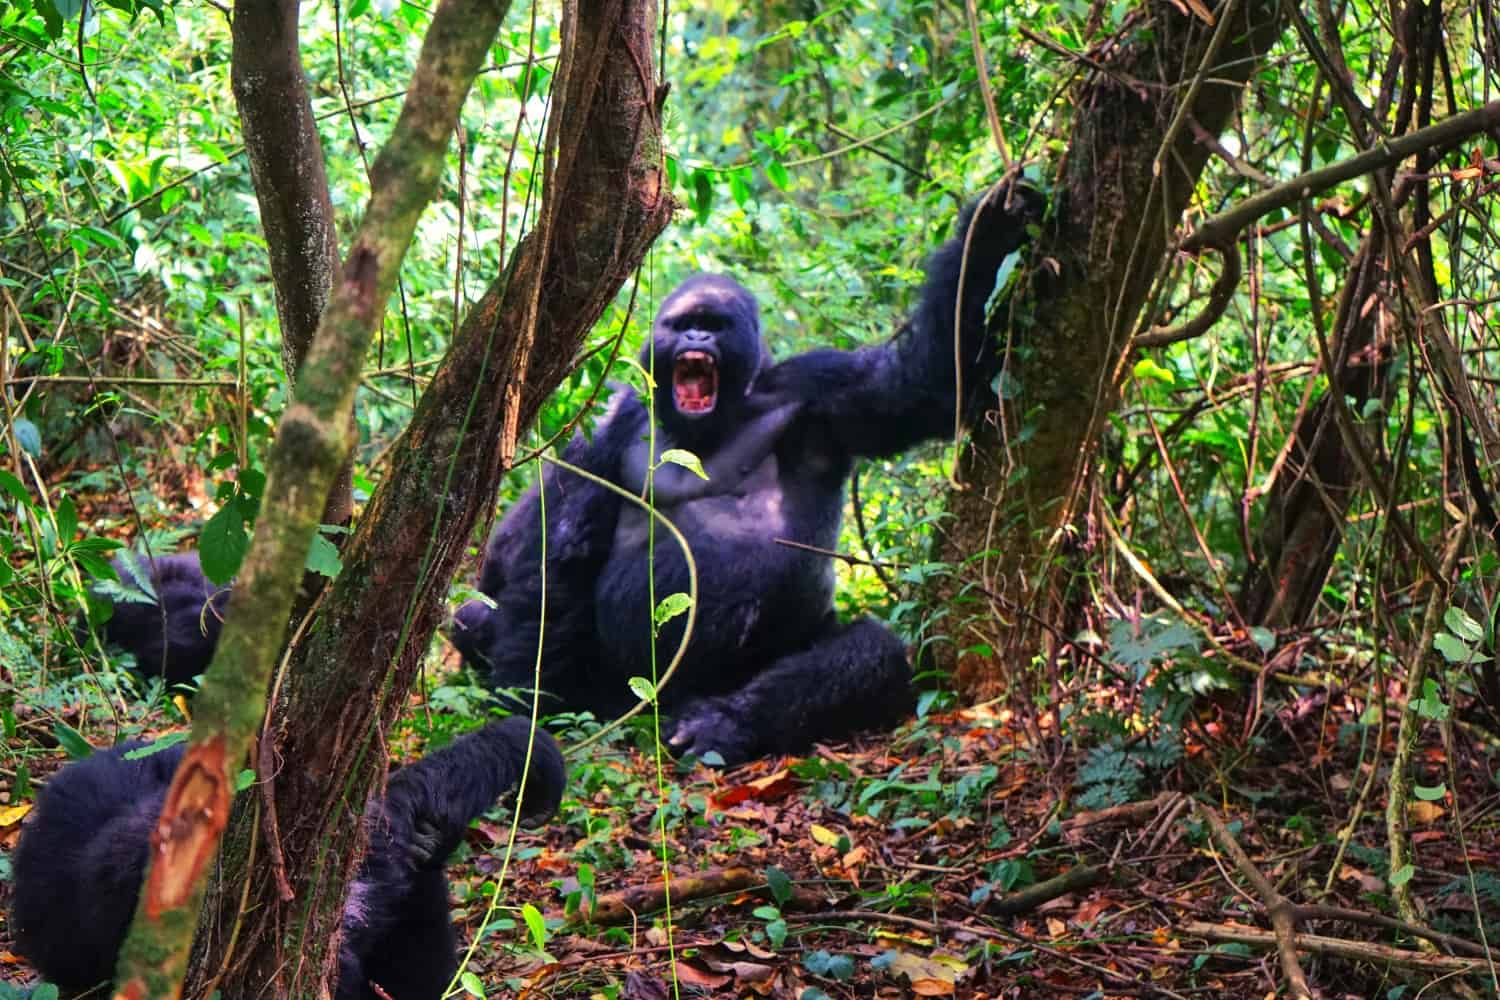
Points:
[[1282, 913]]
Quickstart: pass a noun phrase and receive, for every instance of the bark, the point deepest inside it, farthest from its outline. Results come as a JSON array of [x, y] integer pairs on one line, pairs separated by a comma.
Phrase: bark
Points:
[[291, 186], [1303, 523], [312, 443], [604, 203], [1119, 197]]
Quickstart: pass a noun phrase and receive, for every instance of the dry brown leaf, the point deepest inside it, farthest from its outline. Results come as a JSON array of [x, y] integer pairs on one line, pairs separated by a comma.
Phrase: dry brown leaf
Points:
[[1424, 812], [776, 785]]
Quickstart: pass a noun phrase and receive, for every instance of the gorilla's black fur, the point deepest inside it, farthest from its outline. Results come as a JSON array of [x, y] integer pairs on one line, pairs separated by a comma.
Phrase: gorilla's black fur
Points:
[[768, 667], [166, 613], [82, 856]]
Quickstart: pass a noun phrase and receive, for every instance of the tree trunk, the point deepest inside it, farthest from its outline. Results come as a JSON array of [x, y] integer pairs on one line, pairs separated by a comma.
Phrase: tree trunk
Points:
[[1303, 524], [1119, 197], [291, 186], [604, 203]]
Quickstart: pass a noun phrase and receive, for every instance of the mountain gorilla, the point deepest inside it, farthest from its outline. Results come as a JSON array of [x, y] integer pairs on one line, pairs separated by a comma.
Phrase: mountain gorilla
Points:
[[768, 667], [167, 614], [82, 857]]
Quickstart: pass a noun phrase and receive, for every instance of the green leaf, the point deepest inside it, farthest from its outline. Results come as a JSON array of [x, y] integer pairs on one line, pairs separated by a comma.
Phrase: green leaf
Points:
[[684, 458], [1401, 876], [28, 436], [1461, 625], [1430, 705], [471, 984], [535, 924], [72, 741], [11, 485], [1263, 637], [643, 689], [67, 520], [1455, 650], [157, 745], [703, 194], [670, 607], [780, 885], [323, 557], [776, 932], [822, 963], [739, 188], [244, 780], [1429, 793], [222, 546], [1148, 369], [776, 174]]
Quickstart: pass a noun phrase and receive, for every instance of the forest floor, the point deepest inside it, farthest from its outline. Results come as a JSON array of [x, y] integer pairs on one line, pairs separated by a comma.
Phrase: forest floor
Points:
[[965, 855], [954, 860], [979, 879]]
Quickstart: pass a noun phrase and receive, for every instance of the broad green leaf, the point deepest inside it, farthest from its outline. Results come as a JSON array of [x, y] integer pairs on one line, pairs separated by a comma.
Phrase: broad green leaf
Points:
[[684, 458], [670, 607], [222, 546], [535, 924], [642, 689], [1429, 793], [1461, 625], [1402, 875], [780, 885], [323, 557], [72, 741]]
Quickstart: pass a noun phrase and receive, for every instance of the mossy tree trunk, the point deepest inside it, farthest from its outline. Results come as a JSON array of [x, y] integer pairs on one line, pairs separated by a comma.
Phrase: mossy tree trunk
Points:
[[1131, 167], [604, 202]]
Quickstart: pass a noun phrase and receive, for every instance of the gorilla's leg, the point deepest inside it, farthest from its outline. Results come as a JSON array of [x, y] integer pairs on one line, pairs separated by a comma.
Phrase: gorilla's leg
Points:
[[853, 677]]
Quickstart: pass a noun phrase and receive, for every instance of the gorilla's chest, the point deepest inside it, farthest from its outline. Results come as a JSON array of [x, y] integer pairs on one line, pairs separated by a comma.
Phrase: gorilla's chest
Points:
[[748, 514]]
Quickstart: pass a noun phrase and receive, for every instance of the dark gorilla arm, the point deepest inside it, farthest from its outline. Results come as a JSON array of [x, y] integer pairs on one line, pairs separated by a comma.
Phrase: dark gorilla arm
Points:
[[396, 928], [879, 401]]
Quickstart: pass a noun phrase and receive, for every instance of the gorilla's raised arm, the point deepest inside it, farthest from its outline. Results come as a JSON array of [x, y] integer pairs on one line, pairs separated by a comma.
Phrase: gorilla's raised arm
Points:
[[882, 400]]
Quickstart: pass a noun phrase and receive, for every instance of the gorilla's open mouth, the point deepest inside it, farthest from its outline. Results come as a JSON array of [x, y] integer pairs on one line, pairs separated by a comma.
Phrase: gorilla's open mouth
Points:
[[695, 382]]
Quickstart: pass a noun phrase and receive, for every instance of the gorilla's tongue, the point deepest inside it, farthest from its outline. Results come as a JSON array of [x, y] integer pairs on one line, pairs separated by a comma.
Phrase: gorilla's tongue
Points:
[[695, 382]]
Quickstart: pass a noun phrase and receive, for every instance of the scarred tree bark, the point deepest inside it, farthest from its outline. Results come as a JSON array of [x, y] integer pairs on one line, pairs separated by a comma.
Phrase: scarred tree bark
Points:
[[604, 203], [1119, 196]]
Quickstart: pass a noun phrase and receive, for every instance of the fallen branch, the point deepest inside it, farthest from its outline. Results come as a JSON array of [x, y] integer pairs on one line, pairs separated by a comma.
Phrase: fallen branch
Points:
[[1130, 812], [1073, 880], [626, 905], [1316, 944], [1282, 913]]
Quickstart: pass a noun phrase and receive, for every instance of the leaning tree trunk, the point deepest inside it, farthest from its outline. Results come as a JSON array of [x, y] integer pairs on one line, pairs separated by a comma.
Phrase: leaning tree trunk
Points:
[[291, 185], [1131, 168], [1303, 523], [604, 202]]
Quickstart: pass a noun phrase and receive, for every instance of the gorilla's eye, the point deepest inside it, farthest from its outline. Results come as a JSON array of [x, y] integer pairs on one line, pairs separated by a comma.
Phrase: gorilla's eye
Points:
[[708, 322]]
